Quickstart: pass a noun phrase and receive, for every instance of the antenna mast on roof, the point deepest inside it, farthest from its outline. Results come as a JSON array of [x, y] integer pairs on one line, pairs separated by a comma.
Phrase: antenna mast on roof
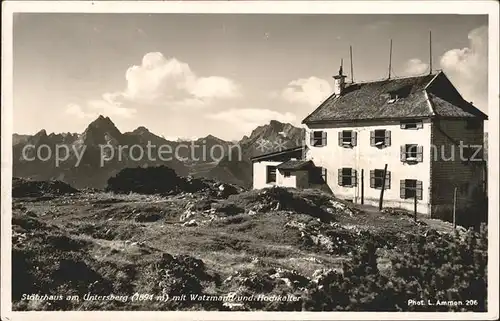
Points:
[[390, 60], [430, 52], [352, 72]]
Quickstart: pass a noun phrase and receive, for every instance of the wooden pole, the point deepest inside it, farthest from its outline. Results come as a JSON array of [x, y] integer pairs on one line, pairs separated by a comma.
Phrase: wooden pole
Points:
[[415, 208], [455, 208], [362, 186], [352, 70], [383, 188], [390, 60], [430, 52]]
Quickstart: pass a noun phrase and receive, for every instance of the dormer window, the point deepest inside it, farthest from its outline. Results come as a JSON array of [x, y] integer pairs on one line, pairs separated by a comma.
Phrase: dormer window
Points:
[[393, 97]]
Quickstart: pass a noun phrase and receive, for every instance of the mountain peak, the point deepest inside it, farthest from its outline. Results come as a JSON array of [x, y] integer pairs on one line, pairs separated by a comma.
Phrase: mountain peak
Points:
[[141, 130], [100, 131]]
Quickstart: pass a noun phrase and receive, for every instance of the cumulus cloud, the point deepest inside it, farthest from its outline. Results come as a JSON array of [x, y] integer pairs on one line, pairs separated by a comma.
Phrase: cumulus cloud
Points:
[[246, 119], [168, 80], [77, 111], [311, 91], [415, 67], [467, 67]]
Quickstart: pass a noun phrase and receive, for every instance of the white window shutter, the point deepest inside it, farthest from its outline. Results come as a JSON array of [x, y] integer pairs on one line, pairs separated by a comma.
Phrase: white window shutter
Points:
[[402, 188], [372, 178], [387, 180], [387, 138], [323, 138], [403, 153], [420, 153], [354, 138], [418, 192]]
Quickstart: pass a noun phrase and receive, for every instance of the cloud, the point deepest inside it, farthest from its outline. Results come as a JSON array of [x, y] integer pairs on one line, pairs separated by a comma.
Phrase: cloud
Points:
[[167, 80], [247, 119], [77, 110], [311, 91], [415, 67], [467, 68]]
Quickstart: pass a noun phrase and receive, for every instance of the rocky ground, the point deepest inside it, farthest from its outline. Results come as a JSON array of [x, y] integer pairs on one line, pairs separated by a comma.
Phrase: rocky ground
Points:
[[220, 241]]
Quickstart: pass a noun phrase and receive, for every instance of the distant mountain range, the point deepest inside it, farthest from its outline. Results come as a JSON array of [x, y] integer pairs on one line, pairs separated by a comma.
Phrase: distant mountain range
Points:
[[228, 162]]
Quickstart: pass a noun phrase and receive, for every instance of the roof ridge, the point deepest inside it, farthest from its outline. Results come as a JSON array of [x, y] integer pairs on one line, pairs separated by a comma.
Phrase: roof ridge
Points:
[[392, 78]]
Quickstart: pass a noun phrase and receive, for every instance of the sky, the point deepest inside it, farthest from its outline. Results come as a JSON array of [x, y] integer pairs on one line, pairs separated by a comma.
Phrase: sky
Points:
[[190, 75]]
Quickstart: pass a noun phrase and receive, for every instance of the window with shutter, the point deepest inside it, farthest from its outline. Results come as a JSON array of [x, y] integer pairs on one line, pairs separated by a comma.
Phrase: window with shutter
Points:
[[347, 138], [378, 179], [412, 124], [411, 188], [318, 138], [347, 177], [411, 152], [379, 137]]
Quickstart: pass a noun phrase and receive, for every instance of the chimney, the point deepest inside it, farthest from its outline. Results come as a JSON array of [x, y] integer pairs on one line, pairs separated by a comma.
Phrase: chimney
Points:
[[339, 82]]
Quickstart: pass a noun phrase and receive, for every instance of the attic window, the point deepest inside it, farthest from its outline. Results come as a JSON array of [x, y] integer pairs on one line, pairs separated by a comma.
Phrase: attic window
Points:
[[398, 93], [393, 98], [412, 124]]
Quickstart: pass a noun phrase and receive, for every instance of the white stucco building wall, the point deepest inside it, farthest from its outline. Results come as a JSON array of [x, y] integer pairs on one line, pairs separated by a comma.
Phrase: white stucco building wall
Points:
[[365, 157]]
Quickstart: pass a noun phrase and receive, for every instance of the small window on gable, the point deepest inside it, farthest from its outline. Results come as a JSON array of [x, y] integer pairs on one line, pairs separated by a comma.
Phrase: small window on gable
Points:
[[286, 173], [380, 138], [318, 138], [348, 138], [412, 124], [271, 174], [347, 177]]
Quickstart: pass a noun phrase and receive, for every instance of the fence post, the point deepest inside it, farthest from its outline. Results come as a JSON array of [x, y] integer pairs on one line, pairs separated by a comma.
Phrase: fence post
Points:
[[415, 208], [383, 188], [362, 186], [455, 208]]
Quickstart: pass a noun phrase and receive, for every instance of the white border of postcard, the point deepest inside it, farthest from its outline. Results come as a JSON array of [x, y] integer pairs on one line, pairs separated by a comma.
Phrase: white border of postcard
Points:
[[490, 8]]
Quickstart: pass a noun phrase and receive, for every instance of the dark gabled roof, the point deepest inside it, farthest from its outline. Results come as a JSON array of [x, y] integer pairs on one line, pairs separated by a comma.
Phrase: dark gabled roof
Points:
[[371, 100], [283, 152], [295, 164]]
